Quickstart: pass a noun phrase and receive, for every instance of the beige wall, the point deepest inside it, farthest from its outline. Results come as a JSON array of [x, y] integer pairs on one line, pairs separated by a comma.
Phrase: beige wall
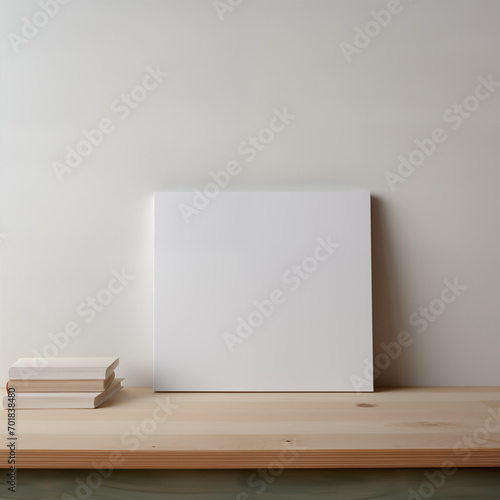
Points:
[[62, 236]]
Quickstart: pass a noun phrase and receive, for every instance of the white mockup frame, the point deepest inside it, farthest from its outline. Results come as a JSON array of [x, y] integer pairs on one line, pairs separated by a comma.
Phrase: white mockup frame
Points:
[[262, 291]]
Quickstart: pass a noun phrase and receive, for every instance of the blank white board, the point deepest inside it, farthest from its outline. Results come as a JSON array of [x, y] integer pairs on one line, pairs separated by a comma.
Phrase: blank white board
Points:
[[262, 291]]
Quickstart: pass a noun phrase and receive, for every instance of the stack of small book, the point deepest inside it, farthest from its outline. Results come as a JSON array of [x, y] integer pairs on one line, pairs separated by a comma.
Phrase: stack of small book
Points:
[[61, 382]]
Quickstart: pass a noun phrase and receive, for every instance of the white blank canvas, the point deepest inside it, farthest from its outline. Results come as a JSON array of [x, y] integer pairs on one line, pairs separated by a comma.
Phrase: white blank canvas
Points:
[[262, 291]]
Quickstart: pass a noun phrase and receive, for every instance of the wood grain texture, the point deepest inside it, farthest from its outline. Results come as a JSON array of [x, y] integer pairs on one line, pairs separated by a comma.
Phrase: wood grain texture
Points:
[[390, 428]]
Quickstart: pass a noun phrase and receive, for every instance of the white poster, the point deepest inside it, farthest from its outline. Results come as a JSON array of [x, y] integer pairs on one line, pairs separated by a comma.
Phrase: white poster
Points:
[[262, 291]]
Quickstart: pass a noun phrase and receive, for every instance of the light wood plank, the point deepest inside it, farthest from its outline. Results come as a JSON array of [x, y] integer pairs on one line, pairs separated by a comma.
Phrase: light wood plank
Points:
[[392, 427]]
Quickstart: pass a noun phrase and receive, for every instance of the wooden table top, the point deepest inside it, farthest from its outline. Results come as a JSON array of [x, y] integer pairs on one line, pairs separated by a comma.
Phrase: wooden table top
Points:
[[390, 428]]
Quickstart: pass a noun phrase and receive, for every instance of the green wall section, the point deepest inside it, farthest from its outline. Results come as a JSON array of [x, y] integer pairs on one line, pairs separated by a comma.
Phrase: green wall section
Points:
[[360, 484]]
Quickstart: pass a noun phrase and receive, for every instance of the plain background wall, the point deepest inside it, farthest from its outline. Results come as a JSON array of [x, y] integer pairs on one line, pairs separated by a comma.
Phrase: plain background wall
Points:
[[61, 240]]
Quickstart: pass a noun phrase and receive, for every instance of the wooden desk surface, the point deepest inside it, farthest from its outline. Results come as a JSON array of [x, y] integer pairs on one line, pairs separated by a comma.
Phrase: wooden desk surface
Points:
[[140, 429]]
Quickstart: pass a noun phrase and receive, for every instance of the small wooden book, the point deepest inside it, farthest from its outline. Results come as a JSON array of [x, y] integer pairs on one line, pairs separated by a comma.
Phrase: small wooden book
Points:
[[62, 368], [41, 400], [74, 385]]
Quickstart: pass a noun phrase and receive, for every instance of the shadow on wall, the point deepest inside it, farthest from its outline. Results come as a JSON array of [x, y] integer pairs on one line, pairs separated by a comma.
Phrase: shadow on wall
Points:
[[384, 297]]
